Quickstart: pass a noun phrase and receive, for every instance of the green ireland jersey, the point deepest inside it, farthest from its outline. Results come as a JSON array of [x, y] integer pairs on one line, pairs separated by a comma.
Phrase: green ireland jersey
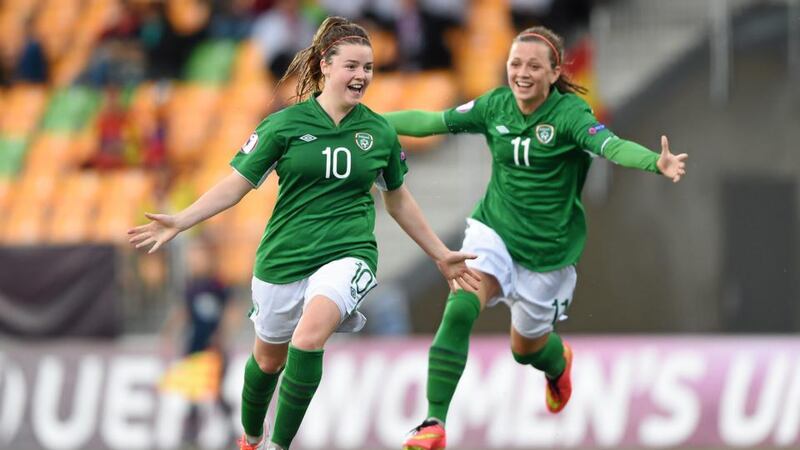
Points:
[[539, 165], [324, 209]]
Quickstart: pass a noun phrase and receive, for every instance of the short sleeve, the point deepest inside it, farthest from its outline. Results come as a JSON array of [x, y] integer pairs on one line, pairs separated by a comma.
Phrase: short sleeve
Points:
[[260, 154], [469, 117], [393, 175], [587, 132]]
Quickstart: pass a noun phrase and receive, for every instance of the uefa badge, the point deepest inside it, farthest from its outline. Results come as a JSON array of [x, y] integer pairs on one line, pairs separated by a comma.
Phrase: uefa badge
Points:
[[545, 133], [364, 141], [250, 144]]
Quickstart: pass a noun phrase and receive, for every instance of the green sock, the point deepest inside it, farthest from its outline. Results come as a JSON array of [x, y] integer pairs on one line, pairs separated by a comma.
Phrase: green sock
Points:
[[550, 359], [448, 353], [256, 395], [301, 377]]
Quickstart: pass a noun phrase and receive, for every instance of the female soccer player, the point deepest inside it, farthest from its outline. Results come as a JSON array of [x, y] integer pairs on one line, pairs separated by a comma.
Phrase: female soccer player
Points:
[[318, 257], [529, 229]]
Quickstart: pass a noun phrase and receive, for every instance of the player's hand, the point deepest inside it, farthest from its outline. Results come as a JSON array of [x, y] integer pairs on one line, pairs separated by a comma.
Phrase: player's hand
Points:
[[454, 268], [158, 232], [671, 166]]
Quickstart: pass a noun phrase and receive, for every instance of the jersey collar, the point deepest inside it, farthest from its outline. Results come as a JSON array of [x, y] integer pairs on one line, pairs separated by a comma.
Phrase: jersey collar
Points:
[[324, 114], [544, 108]]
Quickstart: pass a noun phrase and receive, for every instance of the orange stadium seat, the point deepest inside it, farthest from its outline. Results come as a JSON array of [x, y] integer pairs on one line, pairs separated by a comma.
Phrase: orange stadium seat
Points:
[[250, 99], [144, 108], [384, 46], [237, 256], [70, 65], [123, 199], [95, 17], [6, 185], [23, 107], [84, 145], [24, 224], [18, 8], [54, 26], [244, 227], [28, 211], [480, 52], [385, 93], [187, 16], [50, 154], [248, 65], [250, 216], [190, 116], [432, 91], [73, 208]]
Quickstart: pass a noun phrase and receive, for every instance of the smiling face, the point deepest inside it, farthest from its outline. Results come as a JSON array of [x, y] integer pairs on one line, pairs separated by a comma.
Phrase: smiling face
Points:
[[530, 72], [348, 74]]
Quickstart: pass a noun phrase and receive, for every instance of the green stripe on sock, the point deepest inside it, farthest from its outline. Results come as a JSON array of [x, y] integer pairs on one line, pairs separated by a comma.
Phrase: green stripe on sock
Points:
[[301, 378], [256, 395]]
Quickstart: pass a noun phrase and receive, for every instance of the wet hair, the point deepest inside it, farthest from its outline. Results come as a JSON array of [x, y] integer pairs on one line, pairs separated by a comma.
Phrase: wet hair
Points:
[[556, 45], [332, 33]]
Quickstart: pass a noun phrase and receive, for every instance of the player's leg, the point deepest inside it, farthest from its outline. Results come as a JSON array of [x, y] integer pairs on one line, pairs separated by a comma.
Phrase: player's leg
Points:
[[333, 294], [542, 300], [261, 374], [303, 370], [447, 356], [276, 311]]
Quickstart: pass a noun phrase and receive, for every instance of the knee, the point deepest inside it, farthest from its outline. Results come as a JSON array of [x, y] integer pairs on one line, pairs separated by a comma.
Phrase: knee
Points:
[[526, 349], [269, 363], [308, 341]]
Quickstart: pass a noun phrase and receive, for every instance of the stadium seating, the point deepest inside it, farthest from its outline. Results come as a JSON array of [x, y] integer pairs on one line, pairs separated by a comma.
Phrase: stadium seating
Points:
[[23, 106], [74, 206], [49, 134]]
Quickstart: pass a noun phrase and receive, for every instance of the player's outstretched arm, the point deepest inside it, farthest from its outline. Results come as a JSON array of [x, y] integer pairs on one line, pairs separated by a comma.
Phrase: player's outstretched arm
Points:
[[414, 122], [632, 155], [406, 212], [163, 227]]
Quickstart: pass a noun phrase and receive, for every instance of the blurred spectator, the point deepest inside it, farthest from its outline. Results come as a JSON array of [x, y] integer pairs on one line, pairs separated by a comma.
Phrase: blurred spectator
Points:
[[232, 19], [281, 32], [565, 17], [420, 28], [112, 133], [169, 36], [352, 9], [118, 58], [201, 318], [204, 319], [5, 70], [152, 144], [32, 64]]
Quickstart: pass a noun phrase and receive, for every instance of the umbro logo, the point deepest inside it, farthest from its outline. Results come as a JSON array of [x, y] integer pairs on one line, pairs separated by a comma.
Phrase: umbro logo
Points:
[[502, 129], [308, 138]]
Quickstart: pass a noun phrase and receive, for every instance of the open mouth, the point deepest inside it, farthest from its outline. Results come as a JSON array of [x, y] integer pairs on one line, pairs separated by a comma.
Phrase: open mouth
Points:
[[523, 84], [356, 88]]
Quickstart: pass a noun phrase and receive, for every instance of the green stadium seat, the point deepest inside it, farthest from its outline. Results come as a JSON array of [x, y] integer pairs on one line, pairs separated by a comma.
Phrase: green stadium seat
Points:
[[12, 154], [211, 62], [71, 109]]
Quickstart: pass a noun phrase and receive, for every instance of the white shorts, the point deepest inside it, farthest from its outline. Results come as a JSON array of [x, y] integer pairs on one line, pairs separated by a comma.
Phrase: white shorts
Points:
[[277, 307], [537, 299]]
